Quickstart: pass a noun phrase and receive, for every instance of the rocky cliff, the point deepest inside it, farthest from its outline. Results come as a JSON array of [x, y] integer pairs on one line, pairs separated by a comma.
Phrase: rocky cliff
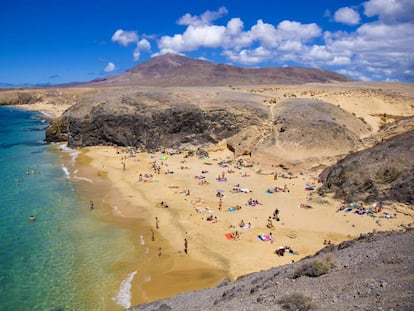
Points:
[[153, 120], [383, 172]]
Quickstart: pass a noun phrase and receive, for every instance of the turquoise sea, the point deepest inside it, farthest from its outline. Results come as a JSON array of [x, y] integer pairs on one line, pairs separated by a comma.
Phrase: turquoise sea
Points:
[[64, 259]]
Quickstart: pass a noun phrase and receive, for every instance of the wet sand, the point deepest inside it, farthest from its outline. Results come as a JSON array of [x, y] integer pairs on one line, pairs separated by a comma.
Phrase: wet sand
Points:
[[156, 276]]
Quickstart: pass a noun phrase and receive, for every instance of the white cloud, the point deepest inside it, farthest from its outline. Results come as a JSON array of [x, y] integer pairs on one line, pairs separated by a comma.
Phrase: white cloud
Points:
[[390, 11], [124, 37], [347, 16], [291, 46], [142, 45], [249, 57], [381, 49], [110, 67], [232, 36], [193, 38], [299, 31], [205, 19]]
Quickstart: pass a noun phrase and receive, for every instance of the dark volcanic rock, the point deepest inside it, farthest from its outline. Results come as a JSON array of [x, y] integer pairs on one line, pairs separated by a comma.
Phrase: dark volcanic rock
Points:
[[150, 122], [374, 272], [383, 172]]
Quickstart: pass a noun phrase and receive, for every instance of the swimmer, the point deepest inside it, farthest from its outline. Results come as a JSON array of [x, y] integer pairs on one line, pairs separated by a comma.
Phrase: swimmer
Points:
[[32, 218]]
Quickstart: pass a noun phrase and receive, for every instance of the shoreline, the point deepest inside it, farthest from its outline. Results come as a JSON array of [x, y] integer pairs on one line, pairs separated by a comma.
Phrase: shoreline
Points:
[[145, 272], [132, 205], [303, 230]]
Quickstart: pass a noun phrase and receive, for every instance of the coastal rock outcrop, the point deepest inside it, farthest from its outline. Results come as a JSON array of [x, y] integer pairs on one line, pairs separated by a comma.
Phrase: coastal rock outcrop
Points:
[[306, 124], [151, 121], [156, 119], [383, 172]]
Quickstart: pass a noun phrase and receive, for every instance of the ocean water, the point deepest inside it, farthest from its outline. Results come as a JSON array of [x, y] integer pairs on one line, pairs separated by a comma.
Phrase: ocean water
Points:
[[64, 260]]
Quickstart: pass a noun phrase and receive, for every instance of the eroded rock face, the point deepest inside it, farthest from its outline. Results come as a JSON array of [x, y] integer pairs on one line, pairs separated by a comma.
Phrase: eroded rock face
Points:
[[315, 125], [148, 123], [383, 172]]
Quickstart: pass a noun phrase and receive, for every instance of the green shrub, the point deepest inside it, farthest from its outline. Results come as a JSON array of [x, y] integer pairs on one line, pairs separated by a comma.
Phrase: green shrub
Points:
[[312, 269], [296, 302]]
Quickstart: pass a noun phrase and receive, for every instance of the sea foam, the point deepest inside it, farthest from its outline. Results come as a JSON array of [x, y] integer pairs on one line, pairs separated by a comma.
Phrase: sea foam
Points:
[[123, 297], [73, 153], [65, 170]]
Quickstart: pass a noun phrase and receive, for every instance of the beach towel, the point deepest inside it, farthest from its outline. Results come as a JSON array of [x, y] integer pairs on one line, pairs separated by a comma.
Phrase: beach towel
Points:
[[229, 236], [260, 237], [232, 209], [203, 210], [264, 237], [310, 187]]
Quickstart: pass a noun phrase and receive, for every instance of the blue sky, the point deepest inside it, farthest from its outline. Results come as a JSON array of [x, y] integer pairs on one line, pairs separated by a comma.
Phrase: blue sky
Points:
[[59, 41]]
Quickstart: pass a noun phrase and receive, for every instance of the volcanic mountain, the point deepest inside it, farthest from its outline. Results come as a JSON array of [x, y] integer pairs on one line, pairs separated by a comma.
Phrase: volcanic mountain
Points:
[[176, 70]]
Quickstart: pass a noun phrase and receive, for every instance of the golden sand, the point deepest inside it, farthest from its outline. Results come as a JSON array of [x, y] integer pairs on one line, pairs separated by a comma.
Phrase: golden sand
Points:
[[211, 256], [134, 204]]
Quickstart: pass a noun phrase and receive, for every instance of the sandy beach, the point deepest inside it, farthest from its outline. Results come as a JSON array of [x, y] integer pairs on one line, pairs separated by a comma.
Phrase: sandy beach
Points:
[[189, 185], [219, 187]]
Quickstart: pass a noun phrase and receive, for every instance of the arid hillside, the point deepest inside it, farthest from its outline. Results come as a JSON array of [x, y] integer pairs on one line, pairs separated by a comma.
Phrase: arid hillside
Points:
[[176, 70]]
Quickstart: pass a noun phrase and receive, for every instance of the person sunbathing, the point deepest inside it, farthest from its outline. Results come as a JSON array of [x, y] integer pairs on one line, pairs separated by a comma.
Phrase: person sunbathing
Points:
[[305, 205]]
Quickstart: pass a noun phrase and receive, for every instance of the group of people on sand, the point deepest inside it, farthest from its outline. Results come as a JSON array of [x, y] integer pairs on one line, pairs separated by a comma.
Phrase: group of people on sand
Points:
[[145, 177], [278, 189], [236, 233], [360, 209], [252, 202], [212, 218]]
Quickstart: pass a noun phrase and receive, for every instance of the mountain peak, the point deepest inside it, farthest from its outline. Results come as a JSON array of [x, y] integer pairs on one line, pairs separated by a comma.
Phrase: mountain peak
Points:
[[166, 63], [177, 70]]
